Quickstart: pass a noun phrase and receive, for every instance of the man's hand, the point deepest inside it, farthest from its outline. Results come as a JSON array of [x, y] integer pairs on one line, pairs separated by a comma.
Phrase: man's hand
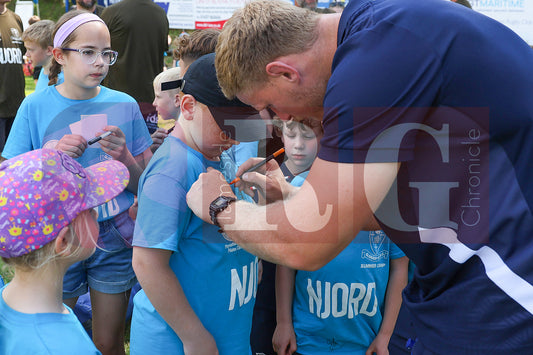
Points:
[[268, 179], [205, 190]]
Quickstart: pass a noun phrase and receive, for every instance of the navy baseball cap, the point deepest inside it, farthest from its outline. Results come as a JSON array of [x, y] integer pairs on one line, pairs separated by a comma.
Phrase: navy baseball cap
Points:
[[237, 120]]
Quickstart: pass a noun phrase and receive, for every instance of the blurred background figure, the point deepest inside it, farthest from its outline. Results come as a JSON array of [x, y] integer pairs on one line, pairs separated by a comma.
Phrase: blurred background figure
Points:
[[89, 6], [11, 74], [139, 33]]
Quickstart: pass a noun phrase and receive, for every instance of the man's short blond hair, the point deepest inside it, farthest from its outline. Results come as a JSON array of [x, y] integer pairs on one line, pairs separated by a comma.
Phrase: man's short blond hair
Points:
[[40, 32], [256, 35]]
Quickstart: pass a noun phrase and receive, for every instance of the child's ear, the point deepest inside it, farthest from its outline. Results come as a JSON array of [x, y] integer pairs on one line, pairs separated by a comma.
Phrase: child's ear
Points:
[[187, 106], [59, 55], [63, 242], [50, 50], [177, 100]]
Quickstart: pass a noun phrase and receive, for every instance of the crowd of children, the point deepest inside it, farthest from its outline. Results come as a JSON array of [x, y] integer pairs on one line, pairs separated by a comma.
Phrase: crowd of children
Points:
[[67, 226]]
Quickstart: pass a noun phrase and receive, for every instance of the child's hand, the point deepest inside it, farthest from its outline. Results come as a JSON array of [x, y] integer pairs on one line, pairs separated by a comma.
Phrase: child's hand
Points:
[[202, 344], [379, 346], [72, 144], [284, 339], [115, 144], [158, 137]]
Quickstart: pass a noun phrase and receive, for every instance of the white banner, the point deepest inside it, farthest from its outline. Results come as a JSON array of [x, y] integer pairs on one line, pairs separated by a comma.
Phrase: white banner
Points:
[[199, 14], [515, 14]]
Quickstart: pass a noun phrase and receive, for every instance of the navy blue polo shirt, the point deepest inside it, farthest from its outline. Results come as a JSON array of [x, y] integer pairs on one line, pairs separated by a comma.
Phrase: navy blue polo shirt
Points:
[[447, 92]]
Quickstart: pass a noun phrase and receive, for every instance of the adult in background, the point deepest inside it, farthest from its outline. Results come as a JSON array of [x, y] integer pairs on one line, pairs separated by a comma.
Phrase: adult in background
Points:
[[11, 74], [89, 6], [139, 33], [428, 123]]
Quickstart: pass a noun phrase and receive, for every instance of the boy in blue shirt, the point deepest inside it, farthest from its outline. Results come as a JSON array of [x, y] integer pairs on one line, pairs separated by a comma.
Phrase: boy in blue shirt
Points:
[[350, 305], [195, 282], [39, 44]]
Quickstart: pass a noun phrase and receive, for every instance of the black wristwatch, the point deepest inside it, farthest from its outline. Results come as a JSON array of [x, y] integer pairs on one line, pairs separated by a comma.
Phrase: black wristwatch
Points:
[[219, 205]]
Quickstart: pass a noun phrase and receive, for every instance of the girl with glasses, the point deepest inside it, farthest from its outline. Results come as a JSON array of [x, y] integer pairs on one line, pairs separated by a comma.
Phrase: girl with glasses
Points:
[[66, 117]]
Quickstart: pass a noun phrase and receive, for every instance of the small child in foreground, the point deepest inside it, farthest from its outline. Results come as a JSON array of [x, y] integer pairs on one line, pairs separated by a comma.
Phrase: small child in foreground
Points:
[[47, 223]]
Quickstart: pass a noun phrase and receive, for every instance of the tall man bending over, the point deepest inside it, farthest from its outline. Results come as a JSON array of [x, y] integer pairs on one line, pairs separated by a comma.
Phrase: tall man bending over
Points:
[[428, 122]]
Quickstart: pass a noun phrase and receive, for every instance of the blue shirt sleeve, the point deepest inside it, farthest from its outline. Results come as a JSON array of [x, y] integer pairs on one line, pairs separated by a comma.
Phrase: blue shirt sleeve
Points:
[[19, 140], [163, 229], [395, 252], [141, 137]]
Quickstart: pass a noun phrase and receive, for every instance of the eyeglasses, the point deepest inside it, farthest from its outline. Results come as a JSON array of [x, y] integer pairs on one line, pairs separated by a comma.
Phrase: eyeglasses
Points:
[[89, 56]]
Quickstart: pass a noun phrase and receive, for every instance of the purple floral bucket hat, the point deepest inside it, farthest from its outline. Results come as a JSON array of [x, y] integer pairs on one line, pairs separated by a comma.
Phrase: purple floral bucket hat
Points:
[[43, 190]]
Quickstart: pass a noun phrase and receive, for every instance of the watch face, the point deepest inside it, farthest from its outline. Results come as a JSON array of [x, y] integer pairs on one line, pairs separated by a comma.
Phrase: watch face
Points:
[[220, 202]]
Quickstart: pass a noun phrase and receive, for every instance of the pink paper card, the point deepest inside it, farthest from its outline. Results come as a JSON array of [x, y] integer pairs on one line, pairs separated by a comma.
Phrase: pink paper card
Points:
[[89, 126]]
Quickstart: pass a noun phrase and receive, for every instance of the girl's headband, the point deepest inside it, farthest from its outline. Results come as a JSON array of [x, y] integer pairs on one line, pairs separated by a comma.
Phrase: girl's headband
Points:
[[68, 27]]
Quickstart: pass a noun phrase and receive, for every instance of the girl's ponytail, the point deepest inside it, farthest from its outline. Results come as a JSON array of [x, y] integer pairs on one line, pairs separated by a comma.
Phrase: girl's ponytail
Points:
[[54, 70]]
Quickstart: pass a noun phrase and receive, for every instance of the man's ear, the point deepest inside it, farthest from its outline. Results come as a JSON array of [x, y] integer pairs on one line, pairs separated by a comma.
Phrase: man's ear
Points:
[[282, 69], [59, 55], [63, 242], [187, 106]]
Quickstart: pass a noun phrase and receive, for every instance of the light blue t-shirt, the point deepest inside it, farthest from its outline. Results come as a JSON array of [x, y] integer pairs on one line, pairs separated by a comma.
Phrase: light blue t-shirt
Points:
[[218, 278], [46, 116], [339, 307], [42, 333], [42, 81], [244, 151]]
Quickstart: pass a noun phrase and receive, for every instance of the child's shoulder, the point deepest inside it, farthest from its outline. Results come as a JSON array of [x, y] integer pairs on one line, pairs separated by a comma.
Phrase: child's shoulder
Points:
[[41, 95], [182, 156], [119, 96]]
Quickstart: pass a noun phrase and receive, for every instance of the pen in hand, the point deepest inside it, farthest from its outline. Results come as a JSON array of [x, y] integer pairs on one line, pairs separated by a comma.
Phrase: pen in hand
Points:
[[96, 139], [260, 164]]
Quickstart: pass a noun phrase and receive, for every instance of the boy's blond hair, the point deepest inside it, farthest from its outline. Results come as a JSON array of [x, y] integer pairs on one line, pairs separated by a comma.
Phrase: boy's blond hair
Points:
[[168, 75], [257, 34], [39, 258], [40, 32]]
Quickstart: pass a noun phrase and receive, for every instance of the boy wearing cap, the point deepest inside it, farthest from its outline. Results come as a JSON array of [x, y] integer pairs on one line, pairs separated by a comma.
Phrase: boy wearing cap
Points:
[[195, 282], [47, 223]]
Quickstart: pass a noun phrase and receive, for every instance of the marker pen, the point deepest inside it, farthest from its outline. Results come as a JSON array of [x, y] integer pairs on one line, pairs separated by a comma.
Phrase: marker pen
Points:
[[96, 139]]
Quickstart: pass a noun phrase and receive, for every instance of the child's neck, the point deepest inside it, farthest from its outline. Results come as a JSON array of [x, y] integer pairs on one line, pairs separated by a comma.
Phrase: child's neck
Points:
[[46, 66], [39, 291], [75, 92]]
